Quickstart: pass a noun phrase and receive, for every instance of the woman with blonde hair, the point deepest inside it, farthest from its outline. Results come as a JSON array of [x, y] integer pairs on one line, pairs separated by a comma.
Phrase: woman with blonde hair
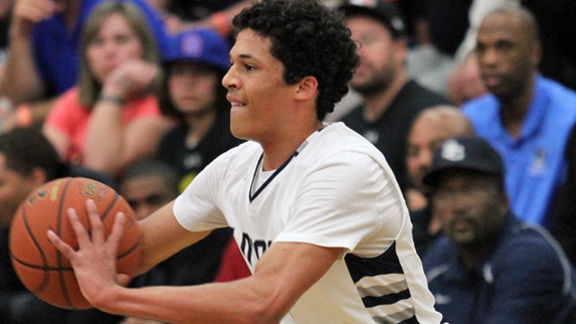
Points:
[[112, 117]]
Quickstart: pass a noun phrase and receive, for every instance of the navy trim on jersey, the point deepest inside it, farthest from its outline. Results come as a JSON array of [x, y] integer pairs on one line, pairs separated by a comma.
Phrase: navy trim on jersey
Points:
[[295, 154]]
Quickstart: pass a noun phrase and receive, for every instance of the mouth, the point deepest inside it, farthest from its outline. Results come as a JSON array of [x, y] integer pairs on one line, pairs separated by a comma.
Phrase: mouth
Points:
[[235, 102]]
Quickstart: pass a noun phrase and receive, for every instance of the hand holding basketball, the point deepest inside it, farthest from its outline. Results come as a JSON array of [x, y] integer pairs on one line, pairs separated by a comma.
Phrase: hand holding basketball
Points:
[[81, 214]]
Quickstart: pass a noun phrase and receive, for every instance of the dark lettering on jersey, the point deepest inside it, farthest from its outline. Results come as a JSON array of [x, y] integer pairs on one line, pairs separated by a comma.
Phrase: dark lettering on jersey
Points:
[[259, 247]]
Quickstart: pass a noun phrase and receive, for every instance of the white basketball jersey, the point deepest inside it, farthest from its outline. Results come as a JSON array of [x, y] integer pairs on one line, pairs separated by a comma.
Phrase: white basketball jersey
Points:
[[336, 191]]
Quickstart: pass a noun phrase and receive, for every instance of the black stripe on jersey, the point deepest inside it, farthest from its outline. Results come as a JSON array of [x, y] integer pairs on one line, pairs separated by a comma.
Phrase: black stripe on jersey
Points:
[[381, 285], [385, 263], [371, 301]]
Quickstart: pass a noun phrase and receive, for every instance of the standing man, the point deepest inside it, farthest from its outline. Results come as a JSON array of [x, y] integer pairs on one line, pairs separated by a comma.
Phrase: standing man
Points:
[[490, 267], [391, 99], [316, 209], [525, 117]]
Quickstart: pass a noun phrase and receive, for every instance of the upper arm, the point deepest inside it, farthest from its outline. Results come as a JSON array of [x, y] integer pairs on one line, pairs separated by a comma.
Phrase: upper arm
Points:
[[59, 140], [529, 293]]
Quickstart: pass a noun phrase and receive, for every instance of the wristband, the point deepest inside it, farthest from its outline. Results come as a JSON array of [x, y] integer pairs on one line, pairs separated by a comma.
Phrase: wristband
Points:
[[24, 115], [221, 24], [113, 99]]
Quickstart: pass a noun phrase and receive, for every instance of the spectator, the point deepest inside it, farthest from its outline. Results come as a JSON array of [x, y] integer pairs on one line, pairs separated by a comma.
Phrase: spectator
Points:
[[44, 50], [110, 120], [193, 93], [526, 117], [27, 160], [391, 99], [429, 130], [564, 222], [490, 267], [214, 14]]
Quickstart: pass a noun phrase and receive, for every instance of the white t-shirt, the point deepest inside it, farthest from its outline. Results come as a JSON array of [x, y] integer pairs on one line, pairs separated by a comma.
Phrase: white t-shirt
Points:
[[336, 191]]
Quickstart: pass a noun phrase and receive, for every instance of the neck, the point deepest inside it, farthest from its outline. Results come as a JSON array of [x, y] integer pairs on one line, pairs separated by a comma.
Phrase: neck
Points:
[[513, 110], [199, 125], [472, 254], [376, 104], [278, 150]]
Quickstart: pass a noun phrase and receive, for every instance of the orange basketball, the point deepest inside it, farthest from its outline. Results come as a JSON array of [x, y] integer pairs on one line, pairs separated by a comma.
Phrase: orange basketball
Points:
[[41, 267]]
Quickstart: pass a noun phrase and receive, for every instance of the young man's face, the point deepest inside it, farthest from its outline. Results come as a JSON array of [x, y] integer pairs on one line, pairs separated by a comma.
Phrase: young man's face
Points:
[[146, 194], [14, 188], [261, 100]]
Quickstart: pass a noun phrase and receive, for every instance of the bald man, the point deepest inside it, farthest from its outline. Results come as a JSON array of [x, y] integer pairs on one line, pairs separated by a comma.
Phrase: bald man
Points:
[[526, 117], [430, 129]]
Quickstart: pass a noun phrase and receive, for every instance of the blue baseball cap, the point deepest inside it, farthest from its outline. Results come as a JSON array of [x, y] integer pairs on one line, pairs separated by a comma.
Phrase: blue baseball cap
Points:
[[201, 46], [467, 153]]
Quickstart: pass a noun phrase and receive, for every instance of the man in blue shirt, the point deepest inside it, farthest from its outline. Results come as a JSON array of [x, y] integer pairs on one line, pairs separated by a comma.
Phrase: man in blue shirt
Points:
[[43, 59], [490, 267], [525, 117]]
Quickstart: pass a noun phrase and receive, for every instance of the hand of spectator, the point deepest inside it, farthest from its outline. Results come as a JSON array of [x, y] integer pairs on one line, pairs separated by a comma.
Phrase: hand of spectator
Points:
[[27, 13], [129, 78], [134, 320]]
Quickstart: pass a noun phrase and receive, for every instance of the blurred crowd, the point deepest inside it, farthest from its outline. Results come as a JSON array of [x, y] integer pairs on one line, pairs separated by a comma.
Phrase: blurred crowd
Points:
[[472, 102]]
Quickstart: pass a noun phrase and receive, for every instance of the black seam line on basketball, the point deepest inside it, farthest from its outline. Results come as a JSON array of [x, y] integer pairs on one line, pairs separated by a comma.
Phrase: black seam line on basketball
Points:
[[37, 267], [46, 279], [103, 217], [130, 250], [59, 255]]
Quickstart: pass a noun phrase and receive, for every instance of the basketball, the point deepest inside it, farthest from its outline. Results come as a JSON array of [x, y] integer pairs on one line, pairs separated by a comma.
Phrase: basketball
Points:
[[39, 265]]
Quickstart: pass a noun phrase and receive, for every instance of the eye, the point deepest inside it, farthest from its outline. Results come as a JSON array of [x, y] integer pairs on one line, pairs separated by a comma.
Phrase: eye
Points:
[[249, 67]]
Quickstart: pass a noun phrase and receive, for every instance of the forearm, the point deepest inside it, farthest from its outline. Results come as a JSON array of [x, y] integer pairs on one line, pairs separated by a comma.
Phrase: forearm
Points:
[[22, 81], [104, 139], [235, 302]]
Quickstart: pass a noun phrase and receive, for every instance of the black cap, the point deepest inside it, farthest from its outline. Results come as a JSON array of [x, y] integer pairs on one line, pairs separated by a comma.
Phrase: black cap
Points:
[[469, 153], [384, 11]]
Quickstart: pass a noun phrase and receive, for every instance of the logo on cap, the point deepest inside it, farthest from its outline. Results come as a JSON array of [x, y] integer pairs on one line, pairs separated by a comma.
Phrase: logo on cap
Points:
[[192, 45], [364, 3], [453, 151]]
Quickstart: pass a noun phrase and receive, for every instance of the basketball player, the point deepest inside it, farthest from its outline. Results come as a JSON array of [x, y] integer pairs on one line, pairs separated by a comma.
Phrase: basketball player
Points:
[[316, 210]]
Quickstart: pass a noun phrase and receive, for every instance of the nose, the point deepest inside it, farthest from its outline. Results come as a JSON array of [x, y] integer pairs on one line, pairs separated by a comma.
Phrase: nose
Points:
[[489, 57], [230, 80], [142, 211]]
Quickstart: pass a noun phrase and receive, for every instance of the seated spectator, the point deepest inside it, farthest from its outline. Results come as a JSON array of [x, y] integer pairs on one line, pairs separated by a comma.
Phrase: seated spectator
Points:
[[27, 160], [193, 93], [490, 267], [525, 117], [430, 129], [43, 60], [391, 100], [110, 119]]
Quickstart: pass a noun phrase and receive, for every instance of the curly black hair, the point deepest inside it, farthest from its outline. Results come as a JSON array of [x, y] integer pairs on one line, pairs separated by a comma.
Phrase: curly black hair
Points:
[[310, 40]]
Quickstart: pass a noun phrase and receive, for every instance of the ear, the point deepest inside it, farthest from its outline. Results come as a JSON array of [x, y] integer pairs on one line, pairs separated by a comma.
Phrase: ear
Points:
[[536, 54], [38, 177], [504, 203], [307, 88]]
